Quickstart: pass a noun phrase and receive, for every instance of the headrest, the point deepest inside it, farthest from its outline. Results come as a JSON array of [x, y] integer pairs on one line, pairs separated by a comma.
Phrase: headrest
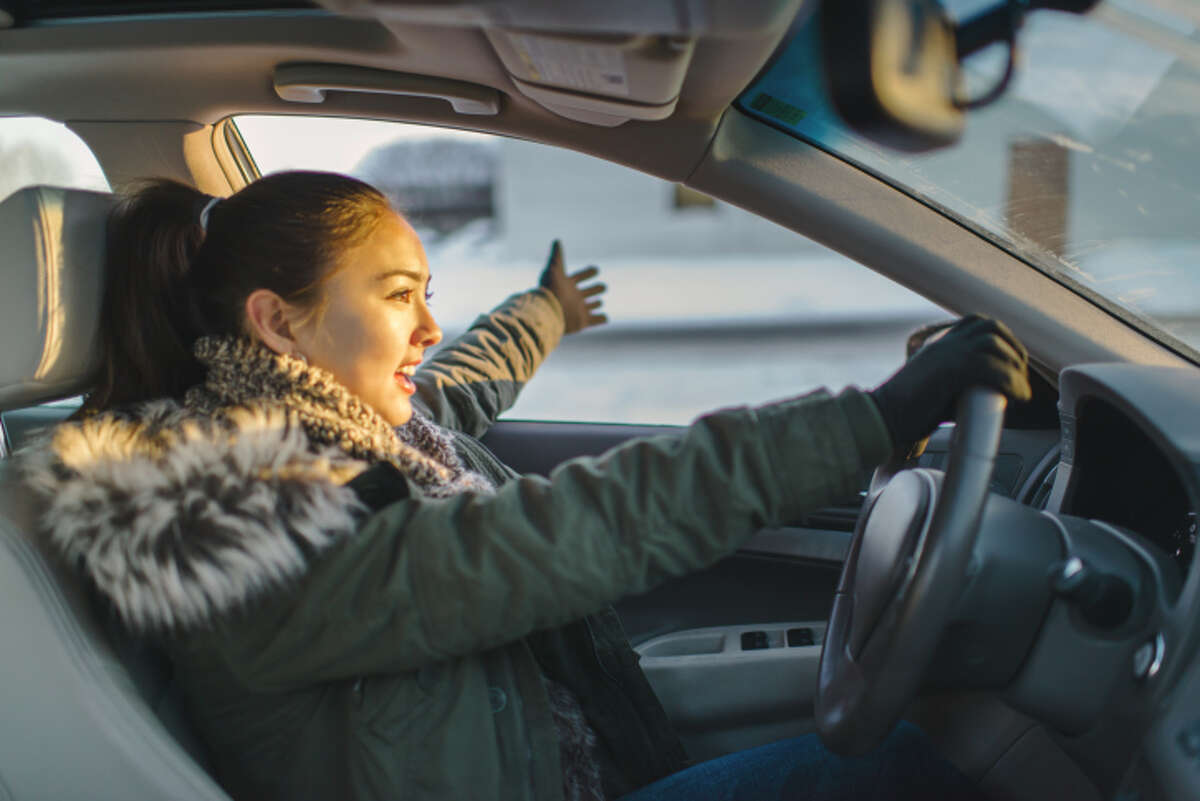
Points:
[[51, 282]]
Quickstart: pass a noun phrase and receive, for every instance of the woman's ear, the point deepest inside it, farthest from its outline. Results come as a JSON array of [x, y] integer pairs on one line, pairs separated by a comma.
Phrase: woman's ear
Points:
[[268, 318]]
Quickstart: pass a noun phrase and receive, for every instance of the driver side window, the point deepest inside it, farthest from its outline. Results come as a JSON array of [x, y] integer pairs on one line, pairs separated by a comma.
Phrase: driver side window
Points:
[[709, 305]]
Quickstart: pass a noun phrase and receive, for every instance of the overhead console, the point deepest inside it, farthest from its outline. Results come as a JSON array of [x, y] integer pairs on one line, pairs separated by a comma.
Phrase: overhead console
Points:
[[599, 63]]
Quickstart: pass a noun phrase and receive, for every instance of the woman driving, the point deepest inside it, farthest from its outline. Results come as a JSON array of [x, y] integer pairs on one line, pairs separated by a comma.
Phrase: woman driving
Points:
[[274, 482]]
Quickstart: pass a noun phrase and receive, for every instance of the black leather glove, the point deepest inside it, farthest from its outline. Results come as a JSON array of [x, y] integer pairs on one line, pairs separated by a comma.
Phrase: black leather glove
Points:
[[975, 351]]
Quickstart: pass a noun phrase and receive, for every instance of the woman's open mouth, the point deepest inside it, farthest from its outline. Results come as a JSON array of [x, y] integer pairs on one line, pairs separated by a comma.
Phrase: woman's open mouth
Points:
[[404, 378]]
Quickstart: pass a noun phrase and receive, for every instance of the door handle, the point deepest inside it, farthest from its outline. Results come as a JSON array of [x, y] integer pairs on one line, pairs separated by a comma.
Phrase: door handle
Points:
[[308, 83]]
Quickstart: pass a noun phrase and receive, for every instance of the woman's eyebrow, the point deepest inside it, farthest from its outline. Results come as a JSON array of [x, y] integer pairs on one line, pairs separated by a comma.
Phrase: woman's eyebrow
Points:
[[413, 274]]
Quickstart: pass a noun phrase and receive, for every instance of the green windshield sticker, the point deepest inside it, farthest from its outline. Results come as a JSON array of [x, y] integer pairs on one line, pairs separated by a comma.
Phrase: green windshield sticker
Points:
[[774, 107]]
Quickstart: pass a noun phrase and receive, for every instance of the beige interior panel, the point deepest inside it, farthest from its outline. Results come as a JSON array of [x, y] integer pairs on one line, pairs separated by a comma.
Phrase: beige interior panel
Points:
[[129, 151]]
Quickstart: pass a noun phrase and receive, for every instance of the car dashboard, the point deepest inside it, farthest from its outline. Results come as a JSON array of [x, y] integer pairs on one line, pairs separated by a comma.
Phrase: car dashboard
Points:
[[1129, 457], [1123, 469], [1125, 457]]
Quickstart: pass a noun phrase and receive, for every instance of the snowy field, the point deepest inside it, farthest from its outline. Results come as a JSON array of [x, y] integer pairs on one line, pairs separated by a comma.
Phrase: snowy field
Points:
[[657, 377], [688, 336]]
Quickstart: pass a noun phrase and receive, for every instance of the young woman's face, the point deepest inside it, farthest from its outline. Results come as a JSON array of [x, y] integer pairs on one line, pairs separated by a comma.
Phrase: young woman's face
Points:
[[377, 323]]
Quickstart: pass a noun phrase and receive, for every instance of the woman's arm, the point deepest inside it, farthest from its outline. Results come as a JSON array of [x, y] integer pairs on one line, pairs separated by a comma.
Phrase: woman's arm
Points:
[[425, 580], [471, 381], [475, 378]]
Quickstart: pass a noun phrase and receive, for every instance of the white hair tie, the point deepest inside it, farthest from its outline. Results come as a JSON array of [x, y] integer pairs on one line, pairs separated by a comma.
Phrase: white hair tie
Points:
[[204, 212]]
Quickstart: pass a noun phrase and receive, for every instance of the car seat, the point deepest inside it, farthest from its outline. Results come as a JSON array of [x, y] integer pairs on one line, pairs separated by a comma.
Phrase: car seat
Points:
[[85, 711]]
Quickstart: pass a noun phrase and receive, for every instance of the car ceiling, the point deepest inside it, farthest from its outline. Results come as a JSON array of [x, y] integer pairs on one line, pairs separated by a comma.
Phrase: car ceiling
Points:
[[204, 67], [36, 10]]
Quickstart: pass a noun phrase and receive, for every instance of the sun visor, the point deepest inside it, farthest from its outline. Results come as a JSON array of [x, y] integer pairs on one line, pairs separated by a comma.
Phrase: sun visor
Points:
[[602, 80], [599, 63]]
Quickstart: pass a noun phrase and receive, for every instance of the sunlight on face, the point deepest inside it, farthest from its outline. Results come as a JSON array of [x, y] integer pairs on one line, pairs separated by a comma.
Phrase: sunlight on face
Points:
[[376, 323]]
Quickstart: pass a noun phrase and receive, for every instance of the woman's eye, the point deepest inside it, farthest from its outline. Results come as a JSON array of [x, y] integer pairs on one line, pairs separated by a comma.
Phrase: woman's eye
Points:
[[403, 295]]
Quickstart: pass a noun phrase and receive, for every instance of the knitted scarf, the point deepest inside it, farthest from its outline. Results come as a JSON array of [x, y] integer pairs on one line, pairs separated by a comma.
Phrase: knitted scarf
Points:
[[245, 373]]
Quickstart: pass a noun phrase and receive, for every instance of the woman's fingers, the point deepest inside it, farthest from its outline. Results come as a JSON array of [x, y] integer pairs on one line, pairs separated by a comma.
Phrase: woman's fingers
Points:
[[984, 351], [584, 274], [999, 374], [975, 325], [996, 345], [553, 264], [579, 303], [996, 363], [1006, 333]]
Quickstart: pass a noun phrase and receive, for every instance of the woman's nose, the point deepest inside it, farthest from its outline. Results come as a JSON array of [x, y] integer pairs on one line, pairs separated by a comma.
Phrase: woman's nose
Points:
[[428, 333]]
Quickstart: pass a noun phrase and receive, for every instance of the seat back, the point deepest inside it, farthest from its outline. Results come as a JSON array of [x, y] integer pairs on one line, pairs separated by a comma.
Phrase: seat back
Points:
[[77, 718], [85, 711]]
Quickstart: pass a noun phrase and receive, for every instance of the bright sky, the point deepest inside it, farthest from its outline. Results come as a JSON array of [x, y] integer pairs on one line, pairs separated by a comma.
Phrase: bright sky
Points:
[[337, 145]]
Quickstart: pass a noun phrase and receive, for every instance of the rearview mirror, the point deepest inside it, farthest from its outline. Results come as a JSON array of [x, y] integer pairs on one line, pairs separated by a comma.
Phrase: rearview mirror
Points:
[[892, 70], [892, 66]]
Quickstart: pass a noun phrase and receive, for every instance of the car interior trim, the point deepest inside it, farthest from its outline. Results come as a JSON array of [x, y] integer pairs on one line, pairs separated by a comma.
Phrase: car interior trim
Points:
[[240, 53], [310, 83], [232, 154], [734, 672], [801, 543]]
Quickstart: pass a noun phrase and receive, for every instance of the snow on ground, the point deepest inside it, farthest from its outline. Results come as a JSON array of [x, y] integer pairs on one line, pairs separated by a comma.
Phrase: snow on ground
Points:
[[470, 277], [688, 336]]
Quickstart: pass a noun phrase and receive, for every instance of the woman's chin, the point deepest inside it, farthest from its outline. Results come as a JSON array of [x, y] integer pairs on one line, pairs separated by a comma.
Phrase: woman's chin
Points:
[[399, 413]]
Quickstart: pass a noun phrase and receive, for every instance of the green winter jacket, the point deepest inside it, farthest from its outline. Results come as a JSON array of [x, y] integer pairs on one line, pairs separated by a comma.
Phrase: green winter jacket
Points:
[[403, 659]]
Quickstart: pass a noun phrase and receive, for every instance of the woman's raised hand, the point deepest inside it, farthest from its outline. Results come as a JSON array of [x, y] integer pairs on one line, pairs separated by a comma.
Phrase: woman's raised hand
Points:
[[580, 304]]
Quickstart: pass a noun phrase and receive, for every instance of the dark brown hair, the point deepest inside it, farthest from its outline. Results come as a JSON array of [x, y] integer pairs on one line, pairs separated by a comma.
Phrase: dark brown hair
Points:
[[170, 281]]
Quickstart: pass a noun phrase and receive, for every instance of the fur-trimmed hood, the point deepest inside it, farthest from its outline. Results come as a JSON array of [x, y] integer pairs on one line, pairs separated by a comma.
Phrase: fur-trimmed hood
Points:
[[178, 517]]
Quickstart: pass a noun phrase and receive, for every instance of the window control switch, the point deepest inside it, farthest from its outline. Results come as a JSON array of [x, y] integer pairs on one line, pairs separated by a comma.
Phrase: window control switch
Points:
[[754, 640], [797, 637]]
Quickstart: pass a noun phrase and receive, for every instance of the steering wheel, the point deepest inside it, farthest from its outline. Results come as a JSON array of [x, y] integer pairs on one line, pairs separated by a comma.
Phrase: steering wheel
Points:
[[900, 580]]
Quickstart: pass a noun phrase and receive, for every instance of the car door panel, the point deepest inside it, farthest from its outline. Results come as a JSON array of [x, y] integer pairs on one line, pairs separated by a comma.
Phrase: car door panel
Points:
[[721, 695], [732, 687]]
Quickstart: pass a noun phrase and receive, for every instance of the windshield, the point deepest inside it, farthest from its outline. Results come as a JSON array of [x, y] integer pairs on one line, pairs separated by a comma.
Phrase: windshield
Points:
[[1087, 167]]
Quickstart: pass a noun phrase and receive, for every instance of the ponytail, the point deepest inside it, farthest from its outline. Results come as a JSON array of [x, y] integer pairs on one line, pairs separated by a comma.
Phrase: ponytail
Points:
[[170, 280], [146, 330]]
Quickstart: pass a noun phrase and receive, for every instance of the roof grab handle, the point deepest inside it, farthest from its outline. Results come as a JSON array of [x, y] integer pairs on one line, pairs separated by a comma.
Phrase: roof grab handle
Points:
[[308, 83]]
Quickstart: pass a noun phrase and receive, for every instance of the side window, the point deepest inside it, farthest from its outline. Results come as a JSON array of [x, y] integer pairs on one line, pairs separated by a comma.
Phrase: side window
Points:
[[37, 151], [709, 305]]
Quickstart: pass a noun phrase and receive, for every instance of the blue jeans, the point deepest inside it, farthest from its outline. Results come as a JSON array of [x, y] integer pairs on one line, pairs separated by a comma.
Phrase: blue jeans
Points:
[[904, 768]]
